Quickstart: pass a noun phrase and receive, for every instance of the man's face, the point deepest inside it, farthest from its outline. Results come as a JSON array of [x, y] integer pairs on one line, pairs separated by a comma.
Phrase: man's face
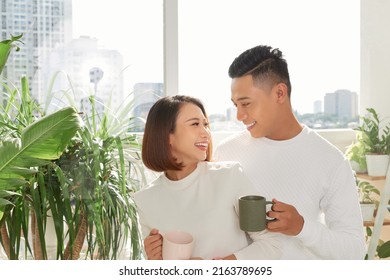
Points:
[[257, 106]]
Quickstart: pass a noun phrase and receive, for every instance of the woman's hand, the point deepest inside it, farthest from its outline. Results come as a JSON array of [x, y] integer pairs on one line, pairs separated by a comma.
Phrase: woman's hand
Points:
[[153, 245]]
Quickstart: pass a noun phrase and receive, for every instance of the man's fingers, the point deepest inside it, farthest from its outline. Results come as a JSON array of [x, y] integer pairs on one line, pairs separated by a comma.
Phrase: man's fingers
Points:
[[279, 206]]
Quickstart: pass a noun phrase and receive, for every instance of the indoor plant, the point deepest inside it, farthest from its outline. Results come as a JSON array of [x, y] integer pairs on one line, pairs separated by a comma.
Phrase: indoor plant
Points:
[[27, 143], [83, 196], [368, 203], [356, 154], [375, 136]]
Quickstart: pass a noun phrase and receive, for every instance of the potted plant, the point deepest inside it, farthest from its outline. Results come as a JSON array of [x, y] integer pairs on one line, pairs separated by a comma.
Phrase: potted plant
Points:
[[83, 194], [368, 203], [356, 154], [375, 136]]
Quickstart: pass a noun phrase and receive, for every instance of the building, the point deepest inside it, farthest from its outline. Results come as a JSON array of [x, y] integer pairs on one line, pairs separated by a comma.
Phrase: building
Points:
[[341, 103], [45, 24], [145, 95], [74, 67], [317, 107], [231, 114]]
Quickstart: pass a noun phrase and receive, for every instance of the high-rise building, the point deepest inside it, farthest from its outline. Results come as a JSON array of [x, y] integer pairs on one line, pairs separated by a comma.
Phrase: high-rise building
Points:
[[231, 114], [86, 69], [341, 103], [145, 95], [45, 24], [317, 106]]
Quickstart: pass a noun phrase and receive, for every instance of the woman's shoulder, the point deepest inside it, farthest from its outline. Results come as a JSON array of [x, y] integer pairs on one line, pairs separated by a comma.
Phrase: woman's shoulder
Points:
[[223, 166], [148, 189], [229, 175]]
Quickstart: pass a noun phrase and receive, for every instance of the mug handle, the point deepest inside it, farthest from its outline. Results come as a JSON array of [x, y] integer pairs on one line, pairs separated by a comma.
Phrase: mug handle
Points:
[[267, 219]]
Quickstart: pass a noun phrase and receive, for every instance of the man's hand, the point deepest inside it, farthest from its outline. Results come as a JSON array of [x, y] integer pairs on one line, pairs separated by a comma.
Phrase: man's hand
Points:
[[153, 245], [288, 220]]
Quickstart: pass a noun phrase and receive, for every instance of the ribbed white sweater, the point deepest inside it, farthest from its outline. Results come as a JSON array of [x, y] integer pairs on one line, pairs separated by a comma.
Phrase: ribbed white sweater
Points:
[[204, 203], [311, 174]]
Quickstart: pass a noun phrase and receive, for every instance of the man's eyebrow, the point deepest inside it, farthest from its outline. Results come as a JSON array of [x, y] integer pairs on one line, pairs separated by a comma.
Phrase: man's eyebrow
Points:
[[240, 99]]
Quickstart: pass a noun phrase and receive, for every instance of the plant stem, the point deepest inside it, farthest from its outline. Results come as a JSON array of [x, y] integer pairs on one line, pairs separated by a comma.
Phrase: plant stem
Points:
[[79, 240], [5, 239], [35, 237]]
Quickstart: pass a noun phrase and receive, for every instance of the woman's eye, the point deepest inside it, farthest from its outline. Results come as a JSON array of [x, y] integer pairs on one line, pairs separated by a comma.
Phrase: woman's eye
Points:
[[195, 124], [245, 104]]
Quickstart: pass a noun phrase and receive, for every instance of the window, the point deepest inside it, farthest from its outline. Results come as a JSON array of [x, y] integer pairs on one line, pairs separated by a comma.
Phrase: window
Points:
[[320, 42], [129, 33]]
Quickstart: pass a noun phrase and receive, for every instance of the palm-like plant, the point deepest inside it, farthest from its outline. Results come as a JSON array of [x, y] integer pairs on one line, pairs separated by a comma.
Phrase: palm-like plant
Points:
[[84, 192], [101, 171], [26, 145]]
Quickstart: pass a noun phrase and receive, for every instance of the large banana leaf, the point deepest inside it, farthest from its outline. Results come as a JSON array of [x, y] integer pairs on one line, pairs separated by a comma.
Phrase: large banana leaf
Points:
[[40, 142]]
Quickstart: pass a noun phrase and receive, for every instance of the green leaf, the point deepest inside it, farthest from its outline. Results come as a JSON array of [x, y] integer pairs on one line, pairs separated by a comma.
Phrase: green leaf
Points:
[[47, 138], [384, 250], [4, 202], [7, 193], [41, 141], [5, 49]]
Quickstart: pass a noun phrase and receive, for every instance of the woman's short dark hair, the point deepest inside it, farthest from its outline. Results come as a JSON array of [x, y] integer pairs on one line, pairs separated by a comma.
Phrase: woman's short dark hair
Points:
[[160, 123]]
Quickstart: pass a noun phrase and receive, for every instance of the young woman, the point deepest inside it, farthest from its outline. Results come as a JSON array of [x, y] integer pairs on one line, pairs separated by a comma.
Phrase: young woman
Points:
[[193, 194]]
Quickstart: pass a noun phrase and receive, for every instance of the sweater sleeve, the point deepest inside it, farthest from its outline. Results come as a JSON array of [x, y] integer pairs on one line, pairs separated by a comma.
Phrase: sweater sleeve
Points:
[[145, 229], [343, 235], [264, 244]]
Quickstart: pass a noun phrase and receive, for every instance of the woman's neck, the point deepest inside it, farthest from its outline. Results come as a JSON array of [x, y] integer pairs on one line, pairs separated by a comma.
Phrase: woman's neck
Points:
[[176, 175]]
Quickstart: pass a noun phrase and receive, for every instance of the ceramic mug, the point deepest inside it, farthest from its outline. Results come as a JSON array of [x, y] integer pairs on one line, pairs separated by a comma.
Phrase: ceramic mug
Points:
[[177, 245], [253, 213]]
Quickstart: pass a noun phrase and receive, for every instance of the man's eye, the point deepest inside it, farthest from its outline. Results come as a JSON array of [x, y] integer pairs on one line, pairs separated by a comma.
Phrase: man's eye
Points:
[[245, 104]]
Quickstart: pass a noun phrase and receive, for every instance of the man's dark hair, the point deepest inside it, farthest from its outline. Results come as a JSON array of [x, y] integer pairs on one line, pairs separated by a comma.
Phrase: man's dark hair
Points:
[[264, 64]]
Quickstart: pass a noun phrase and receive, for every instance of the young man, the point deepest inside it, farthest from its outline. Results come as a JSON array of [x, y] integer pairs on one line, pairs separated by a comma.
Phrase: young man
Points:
[[310, 181]]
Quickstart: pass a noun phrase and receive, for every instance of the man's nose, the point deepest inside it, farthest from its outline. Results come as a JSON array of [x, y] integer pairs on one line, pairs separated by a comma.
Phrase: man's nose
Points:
[[241, 115]]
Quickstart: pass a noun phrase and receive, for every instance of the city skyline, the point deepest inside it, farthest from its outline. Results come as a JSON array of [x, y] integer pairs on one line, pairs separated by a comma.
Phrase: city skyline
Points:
[[320, 61], [136, 33]]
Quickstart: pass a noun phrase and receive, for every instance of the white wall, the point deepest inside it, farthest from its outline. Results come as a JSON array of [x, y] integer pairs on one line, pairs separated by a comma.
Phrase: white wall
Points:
[[375, 56]]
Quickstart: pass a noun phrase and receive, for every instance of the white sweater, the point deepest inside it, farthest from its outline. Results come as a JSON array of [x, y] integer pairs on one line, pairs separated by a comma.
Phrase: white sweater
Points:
[[312, 175], [205, 204]]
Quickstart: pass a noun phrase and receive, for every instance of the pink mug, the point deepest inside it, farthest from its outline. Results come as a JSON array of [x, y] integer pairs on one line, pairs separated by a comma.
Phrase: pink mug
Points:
[[177, 245]]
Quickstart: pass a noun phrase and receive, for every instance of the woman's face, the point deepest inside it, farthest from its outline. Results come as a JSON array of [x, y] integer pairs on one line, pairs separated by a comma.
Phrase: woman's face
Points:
[[191, 138]]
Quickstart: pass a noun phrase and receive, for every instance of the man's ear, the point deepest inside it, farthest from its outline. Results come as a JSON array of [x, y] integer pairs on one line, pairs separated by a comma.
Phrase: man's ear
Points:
[[281, 92]]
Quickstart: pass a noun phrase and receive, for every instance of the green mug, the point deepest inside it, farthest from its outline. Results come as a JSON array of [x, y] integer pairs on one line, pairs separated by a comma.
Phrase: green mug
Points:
[[253, 213]]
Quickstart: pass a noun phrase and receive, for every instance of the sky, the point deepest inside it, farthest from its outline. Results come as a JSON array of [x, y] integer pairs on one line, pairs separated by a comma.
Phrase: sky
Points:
[[320, 40]]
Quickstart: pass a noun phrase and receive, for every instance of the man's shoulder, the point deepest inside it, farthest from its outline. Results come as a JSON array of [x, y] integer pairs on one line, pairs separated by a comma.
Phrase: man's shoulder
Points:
[[322, 147], [234, 139]]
